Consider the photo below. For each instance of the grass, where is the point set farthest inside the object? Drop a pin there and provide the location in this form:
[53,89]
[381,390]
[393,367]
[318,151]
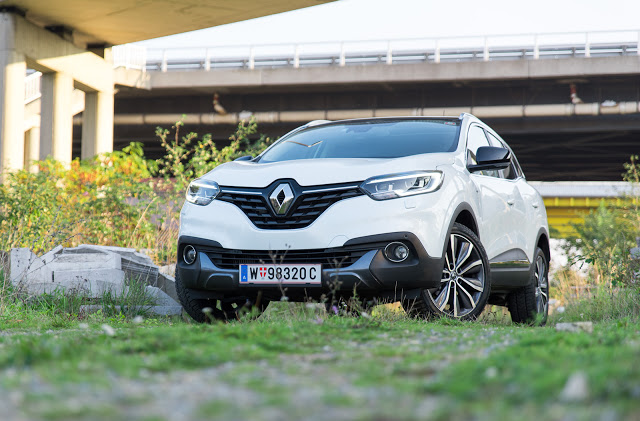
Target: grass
[297,362]
[316,367]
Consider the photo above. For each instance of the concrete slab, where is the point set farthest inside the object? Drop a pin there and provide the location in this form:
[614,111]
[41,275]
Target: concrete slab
[92,270]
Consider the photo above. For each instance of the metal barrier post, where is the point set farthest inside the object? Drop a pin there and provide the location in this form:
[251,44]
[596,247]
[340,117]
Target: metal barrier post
[207,61]
[485,55]
[436,57]
[252,58]
[343,59]
[296,57]
[587,46]
[389,53]
[164,61]
[536,48]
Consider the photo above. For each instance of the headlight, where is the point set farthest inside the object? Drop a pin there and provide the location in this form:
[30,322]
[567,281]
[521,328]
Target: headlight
[202,192]
[401,185]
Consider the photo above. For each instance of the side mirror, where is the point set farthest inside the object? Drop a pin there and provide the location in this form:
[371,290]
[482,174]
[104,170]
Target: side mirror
[244,158]
[491,158]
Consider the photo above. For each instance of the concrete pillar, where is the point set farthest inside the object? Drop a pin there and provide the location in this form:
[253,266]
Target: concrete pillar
[56,118]
[13,70]
[31,148]
[97,124]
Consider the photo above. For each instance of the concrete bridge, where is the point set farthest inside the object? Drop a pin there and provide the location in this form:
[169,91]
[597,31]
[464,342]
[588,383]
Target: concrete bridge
[69,42]
[570,110]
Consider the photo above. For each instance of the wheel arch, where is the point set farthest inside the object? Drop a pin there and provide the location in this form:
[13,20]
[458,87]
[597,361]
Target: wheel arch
[464,215]
[543,242]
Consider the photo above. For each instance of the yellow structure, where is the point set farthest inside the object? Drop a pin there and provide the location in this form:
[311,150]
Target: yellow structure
[568,202]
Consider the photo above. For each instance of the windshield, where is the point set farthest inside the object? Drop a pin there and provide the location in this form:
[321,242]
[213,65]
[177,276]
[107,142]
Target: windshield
[367,139]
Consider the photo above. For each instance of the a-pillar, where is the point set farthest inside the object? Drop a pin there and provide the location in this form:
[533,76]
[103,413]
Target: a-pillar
[56,118]
[13,70]
[97,124]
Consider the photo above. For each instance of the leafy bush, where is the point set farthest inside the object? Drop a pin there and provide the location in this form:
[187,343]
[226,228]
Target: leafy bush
[610,289]
[605,238]
[117,199]
[98,201]
[188,157]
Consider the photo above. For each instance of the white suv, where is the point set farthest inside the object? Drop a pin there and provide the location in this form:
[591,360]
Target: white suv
[434,212]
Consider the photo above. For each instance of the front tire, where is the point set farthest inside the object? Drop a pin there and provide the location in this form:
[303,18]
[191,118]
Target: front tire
[207,311]
[465,282]
[530,304]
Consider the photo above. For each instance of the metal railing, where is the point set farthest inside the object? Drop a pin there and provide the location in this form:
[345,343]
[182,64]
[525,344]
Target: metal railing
[435,50]
[32,87]
[130,56]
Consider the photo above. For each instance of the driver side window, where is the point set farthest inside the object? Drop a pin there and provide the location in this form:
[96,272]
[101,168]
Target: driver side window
[475,139]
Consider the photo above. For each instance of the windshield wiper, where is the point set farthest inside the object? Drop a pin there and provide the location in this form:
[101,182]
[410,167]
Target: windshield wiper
[302,144]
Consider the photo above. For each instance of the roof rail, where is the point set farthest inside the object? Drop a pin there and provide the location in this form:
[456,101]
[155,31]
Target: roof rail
[316,123]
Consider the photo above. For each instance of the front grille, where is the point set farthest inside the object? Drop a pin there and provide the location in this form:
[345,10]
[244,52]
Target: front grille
[306,208]
[335,258]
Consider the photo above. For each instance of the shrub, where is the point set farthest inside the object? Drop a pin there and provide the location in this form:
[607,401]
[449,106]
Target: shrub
[99,201]
[188,157]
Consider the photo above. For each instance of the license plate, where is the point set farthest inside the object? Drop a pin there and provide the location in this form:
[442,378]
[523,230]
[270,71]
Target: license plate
[305,274]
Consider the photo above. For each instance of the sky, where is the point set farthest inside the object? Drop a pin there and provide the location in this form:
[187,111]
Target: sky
[348,20]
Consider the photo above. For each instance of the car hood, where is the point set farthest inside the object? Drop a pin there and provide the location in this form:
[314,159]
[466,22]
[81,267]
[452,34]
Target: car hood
[313,172]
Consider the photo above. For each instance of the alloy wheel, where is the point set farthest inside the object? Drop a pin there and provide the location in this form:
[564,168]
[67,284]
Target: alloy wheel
[542,286]
[463,278]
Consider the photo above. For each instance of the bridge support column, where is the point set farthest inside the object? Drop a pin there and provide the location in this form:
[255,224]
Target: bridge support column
[97,124]
[56,118]
[13,70]
[31,148]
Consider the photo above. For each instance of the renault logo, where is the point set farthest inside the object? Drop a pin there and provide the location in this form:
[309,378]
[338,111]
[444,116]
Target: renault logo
[281,199]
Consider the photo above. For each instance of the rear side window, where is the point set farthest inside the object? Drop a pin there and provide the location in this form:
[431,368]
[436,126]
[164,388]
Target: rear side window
[367,139]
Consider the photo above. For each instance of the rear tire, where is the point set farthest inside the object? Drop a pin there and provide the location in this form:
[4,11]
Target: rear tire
[530,305]
[465,281]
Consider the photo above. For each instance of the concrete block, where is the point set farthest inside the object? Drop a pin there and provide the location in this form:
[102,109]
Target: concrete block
[157,310]
[168,285]
[20,262]
[92,282]
[574,327]
[159,297]
[93,271]
[168,269]
[136,266]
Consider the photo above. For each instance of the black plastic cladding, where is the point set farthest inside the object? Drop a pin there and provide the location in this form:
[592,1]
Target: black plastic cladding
[332,258]
[309,203]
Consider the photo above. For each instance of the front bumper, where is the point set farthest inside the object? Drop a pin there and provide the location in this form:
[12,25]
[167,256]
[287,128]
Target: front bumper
[359,264]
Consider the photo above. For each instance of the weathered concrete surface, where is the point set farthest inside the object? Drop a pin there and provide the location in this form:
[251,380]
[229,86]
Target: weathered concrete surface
[575,327]
[92,271]
[164,304]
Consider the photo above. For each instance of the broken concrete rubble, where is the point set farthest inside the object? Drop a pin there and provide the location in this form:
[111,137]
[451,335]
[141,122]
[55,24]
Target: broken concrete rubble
[91,270]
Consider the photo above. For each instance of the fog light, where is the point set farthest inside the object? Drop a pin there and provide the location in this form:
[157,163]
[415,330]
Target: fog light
[189,255]
[396,252]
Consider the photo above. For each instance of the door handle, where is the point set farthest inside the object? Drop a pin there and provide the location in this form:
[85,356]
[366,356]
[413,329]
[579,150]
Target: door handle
[510,202]
[535,205]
